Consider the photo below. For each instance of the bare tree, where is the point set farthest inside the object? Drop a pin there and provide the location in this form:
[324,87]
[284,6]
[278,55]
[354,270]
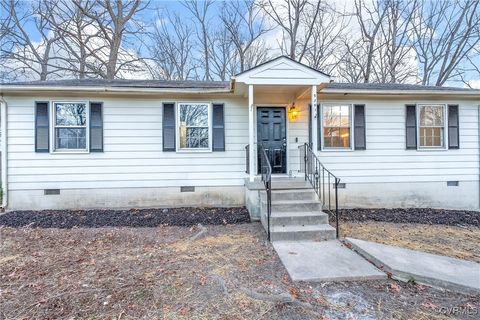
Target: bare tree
[245,24]
[351,60]
[20,54]
[445,33]
[116,20]
[327,30]
[171,48]
[78,39]
[290,15]
[370,19]
[395,59]
[199,10]
[222,55]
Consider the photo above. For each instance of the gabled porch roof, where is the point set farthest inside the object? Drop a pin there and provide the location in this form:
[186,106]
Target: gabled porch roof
[281,71]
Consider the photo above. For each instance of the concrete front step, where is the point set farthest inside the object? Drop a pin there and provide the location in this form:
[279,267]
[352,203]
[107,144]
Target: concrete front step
[296,218]
[290,184]
[317,232]
[294,205]
[294,194]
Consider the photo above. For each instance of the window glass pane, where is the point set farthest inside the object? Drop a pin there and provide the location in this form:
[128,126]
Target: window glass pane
[431,136]
[344,138]
[194,127]
[70,114]
[194,115]
[431,116]
[70,138]
[196,138]
[331,116]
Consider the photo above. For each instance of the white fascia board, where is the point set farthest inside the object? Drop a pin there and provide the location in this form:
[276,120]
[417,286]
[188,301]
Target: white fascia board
[283,82]
[14,88]
[400,92]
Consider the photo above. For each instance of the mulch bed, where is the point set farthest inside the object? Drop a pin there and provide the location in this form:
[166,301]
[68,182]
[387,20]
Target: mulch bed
[413,215]
[66,219]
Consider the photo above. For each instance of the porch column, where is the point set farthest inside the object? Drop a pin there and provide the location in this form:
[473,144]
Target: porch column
[314,119]
[251,130]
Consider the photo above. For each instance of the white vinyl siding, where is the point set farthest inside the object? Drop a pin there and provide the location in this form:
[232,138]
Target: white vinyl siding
[132,157]
[385,159]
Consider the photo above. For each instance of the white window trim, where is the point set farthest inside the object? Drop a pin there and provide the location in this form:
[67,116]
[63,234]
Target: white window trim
[177,128]
[352,128]
[445,127]
[53,126]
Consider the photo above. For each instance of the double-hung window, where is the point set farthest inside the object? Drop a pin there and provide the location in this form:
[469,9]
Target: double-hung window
[432,126]
[194,129]
[337,126]
[70,121]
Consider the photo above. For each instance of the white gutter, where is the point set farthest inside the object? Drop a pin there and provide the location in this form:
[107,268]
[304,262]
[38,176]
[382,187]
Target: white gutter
[401,92]
[478,124]
[4,149]
[17,88]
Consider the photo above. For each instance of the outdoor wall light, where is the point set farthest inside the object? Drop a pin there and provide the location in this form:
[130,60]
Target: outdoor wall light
[293,112]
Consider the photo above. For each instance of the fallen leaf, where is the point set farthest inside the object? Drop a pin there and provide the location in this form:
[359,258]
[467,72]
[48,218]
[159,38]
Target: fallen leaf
[395,287]
[429,305]
[294,292]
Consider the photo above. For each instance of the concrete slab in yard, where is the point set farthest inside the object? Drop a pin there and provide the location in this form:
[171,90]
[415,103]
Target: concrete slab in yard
[324,261]
[430,269]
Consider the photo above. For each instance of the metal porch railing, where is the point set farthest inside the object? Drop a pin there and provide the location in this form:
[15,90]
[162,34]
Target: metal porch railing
[266,174]
[322,180]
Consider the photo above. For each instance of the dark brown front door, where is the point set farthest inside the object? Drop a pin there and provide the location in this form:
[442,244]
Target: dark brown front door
[272,135]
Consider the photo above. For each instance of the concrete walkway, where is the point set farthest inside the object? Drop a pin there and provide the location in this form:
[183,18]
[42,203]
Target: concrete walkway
[434,270]
[324,261]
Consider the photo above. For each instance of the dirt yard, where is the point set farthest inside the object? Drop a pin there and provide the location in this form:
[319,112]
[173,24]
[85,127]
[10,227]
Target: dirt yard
[457,242]
[221,272]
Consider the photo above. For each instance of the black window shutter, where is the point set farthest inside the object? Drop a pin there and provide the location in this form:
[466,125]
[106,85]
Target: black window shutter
[218,134]
[42,127]
[411,127]
[359,126]
[453,127]
[168,125]
[96,127]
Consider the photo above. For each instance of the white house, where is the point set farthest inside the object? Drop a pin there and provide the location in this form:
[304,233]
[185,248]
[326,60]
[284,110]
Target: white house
[129,143]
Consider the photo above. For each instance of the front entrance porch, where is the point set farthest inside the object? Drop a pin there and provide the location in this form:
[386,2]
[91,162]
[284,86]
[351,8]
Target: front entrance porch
[282,112]
[296,212]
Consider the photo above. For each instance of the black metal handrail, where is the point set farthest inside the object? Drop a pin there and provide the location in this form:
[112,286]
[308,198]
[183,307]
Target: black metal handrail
[266,174]
[322,180]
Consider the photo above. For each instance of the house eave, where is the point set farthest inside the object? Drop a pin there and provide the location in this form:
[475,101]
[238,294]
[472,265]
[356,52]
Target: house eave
[400,92]
[106,89]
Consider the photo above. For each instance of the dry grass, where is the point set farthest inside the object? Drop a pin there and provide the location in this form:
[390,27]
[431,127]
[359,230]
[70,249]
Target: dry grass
[160,273]
[456,242]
